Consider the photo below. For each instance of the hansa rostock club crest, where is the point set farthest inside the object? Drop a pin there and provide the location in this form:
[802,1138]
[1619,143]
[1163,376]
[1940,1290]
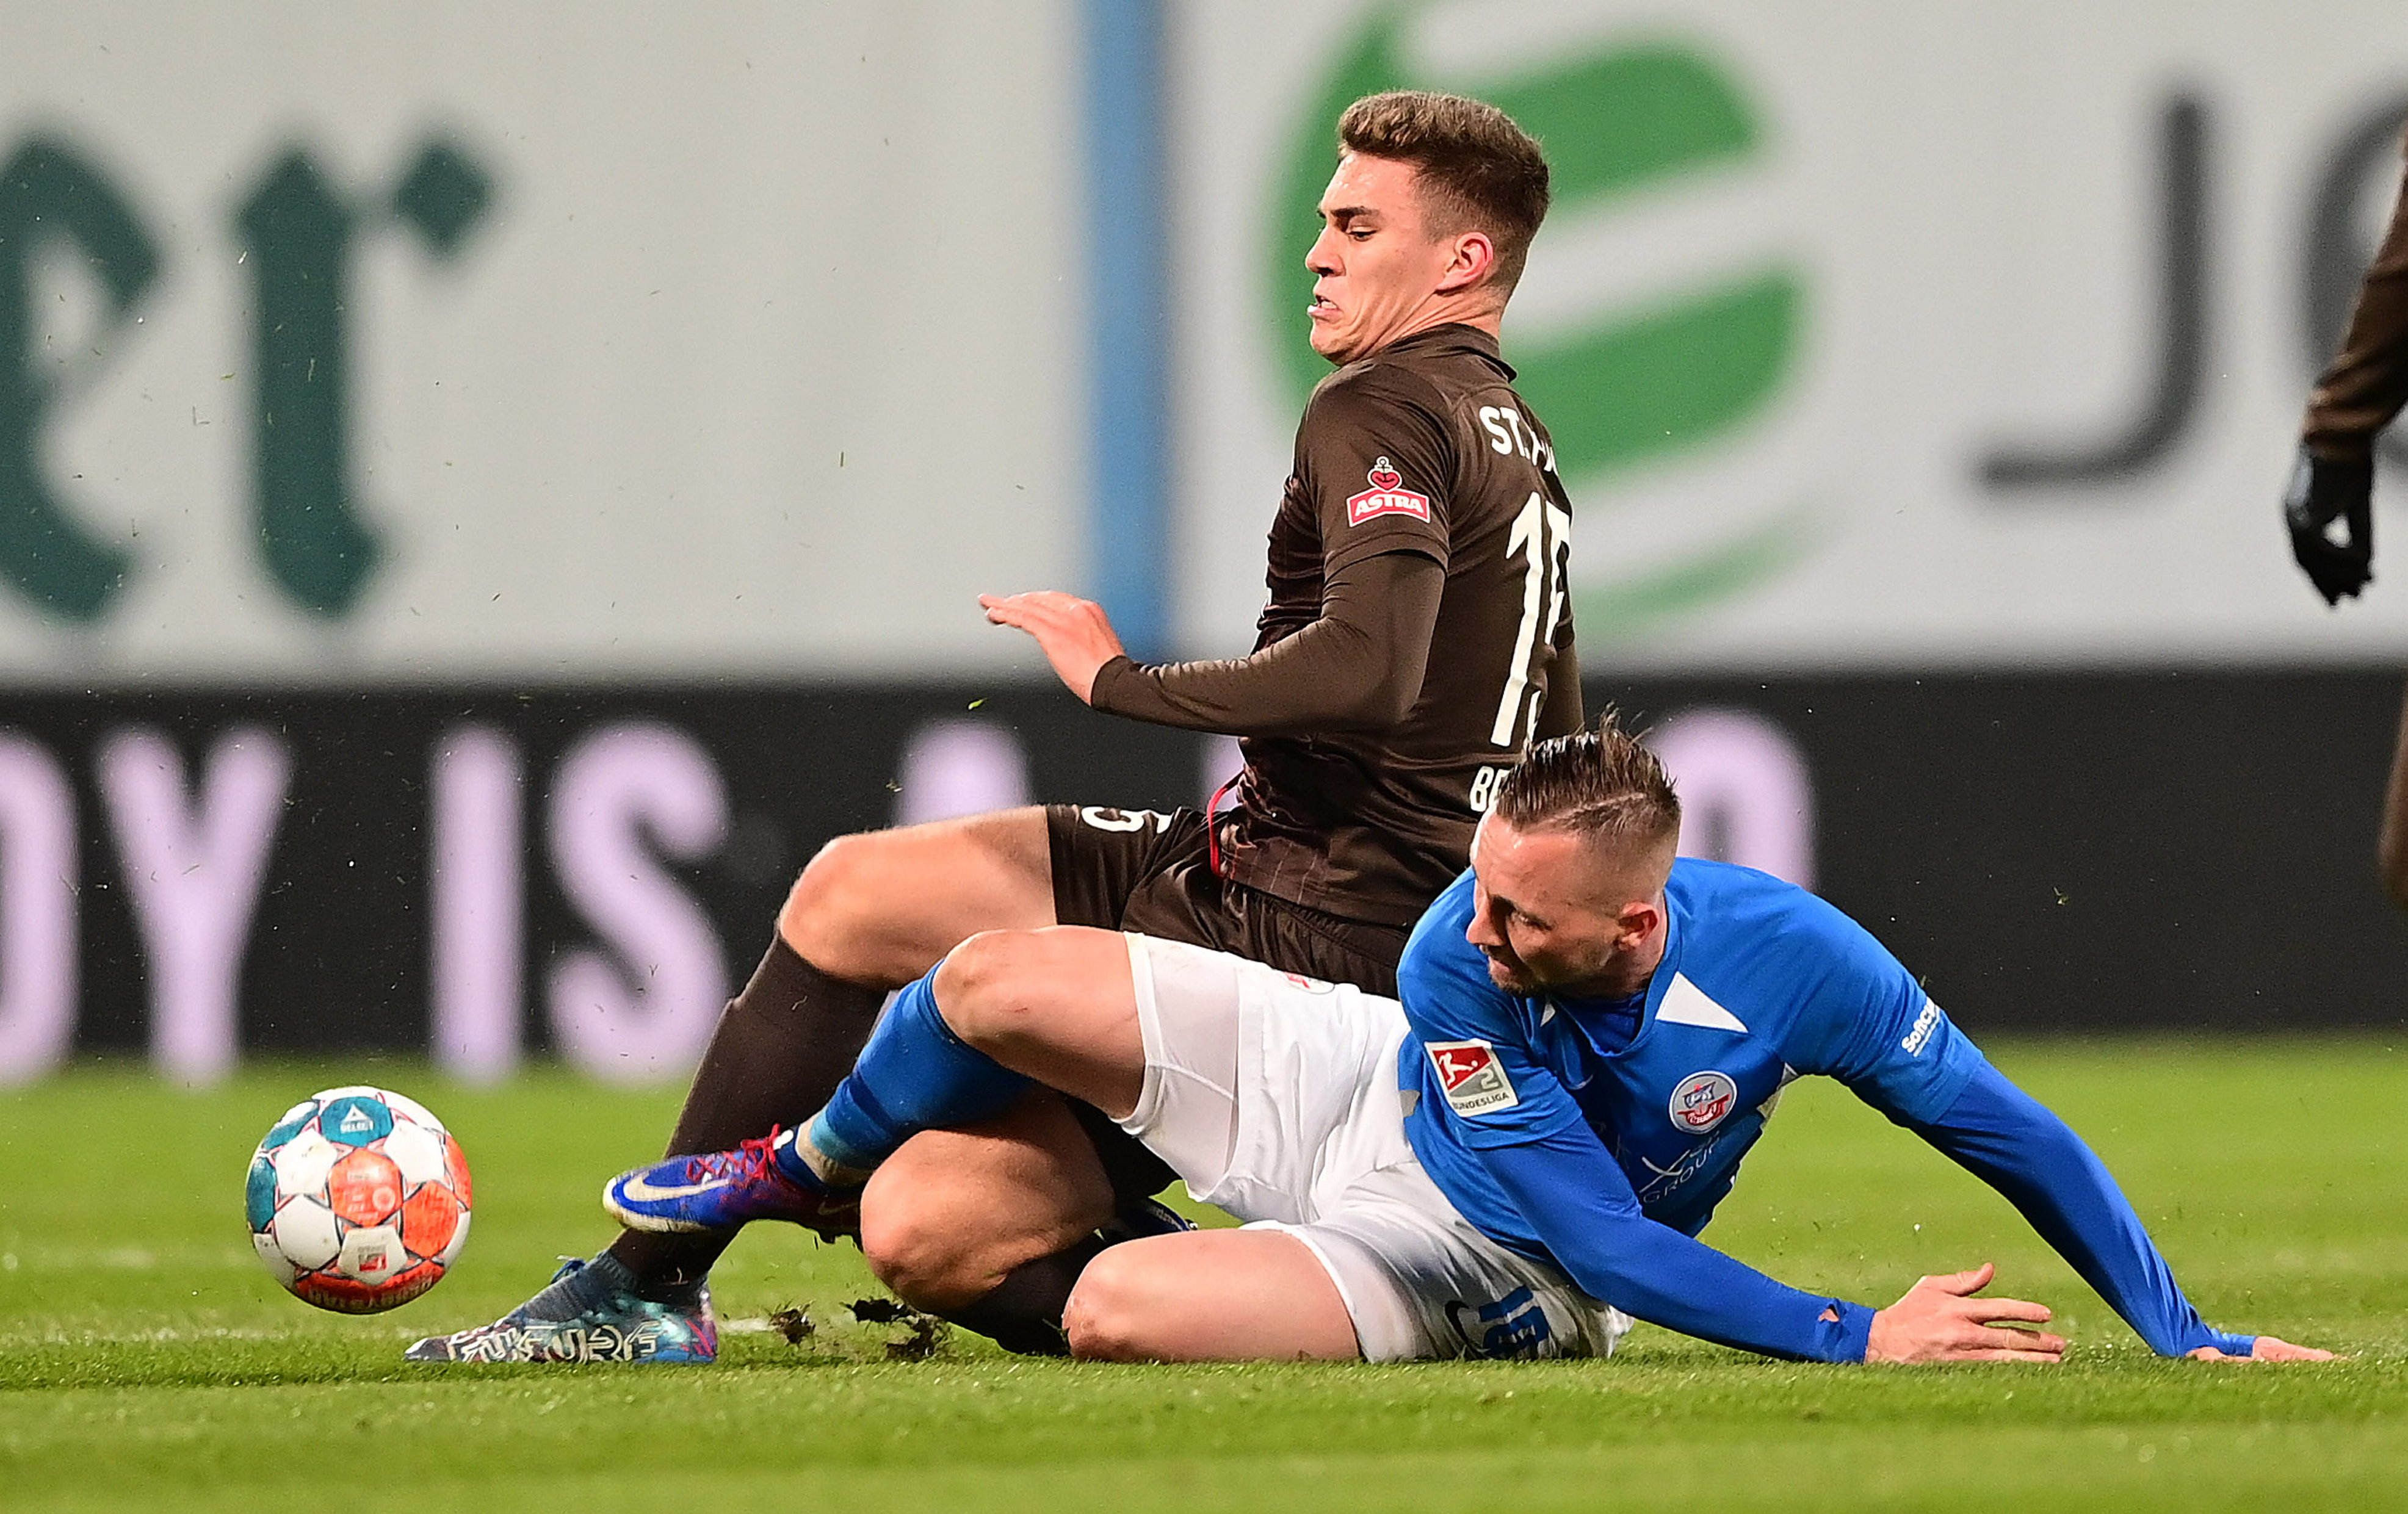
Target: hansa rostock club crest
[1703,1101]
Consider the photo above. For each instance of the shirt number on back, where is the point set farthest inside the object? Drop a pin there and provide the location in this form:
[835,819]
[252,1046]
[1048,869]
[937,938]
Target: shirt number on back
[1542,539]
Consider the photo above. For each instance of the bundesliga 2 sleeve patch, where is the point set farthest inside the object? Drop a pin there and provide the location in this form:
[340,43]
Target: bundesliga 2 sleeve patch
[1474,1082]
[1388,495]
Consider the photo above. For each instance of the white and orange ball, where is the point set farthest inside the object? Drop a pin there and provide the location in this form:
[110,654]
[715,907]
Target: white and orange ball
[358,1200]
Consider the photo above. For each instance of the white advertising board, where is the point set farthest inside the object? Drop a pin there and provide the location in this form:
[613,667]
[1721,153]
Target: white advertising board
[588,343]
[1873,334]
[549,340]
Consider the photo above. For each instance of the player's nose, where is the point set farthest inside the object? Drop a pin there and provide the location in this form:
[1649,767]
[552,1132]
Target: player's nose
[1320,259]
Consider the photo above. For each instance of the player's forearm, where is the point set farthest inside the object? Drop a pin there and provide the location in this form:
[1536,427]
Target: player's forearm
[2367,383]
[1657,1273]
[2013,1142]
[1358,668]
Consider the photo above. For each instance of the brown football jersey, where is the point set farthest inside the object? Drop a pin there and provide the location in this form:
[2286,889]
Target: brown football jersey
[1420,447]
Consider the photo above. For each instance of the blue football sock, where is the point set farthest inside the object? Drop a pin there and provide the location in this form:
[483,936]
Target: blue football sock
[915,1075]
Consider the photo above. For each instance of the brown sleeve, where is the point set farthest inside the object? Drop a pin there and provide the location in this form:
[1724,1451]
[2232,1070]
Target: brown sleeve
[1379,463]
[2366,385]
[1562,714]
[1356,668]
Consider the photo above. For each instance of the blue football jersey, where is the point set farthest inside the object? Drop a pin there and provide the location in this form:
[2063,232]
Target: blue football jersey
[1761,982]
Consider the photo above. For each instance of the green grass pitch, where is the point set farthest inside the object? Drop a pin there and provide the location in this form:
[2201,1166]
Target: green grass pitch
[146,1361]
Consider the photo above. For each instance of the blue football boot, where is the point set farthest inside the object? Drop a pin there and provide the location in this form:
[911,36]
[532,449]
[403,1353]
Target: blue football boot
[590,1313]
[724,1189]
[1146,1217]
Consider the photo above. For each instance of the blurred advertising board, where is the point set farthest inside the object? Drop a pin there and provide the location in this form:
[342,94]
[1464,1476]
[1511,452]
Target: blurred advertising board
[477,878]
[354,345]
[1872,334]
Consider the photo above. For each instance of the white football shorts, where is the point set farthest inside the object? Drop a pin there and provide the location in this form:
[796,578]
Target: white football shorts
[1274,1096]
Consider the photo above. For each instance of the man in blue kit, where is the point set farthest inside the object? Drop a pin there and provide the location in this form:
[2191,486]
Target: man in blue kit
[1516,1161]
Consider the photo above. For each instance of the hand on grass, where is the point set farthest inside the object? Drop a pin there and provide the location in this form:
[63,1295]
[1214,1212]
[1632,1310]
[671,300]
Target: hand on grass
[1074,633]
[2268,1348]
[1941,1321]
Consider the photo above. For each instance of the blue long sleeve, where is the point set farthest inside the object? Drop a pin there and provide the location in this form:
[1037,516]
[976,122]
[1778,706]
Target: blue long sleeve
[2011,1141]
[1568,1188]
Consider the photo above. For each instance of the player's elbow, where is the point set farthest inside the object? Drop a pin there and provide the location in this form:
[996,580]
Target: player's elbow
[1365,681]
[1378,703]
[1391,701]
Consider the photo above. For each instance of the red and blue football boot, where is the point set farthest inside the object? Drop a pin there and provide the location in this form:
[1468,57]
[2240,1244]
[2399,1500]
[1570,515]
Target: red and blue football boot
[760,1180]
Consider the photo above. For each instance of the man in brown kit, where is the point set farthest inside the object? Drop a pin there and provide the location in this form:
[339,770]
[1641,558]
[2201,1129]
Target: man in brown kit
[2360,393]
[2356,396]
[1418,636]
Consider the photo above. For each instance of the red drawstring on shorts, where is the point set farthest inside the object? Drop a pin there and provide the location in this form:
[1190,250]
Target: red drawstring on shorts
[1213,831]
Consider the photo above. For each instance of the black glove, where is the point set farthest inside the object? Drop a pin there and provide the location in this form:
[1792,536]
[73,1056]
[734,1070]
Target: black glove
[2322,491]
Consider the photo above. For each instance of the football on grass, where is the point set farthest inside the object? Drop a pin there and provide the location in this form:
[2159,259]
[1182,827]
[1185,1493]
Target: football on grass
[358,1200]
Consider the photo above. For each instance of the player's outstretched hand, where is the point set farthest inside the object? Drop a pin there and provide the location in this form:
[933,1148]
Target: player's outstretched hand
[1076,637]
[1941,1321]
[2269,1348]
[2322,491]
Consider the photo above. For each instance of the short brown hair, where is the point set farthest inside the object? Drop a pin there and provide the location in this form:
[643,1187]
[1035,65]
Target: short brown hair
[1476,169]
[1600,785]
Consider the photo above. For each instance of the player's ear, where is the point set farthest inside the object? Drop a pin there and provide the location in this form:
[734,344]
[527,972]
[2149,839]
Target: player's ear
[1638,921]
[1473,257]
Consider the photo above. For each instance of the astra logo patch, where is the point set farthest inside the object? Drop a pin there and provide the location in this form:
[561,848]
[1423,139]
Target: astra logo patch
[1388,495]
[1703,1101]
[1470,1074]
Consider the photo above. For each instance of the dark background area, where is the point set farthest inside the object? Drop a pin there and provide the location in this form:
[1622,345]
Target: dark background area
[2106,852]
[2091,852]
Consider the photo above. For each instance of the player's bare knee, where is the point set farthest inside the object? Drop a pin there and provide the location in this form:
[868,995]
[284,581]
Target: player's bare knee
[1110,1316]
[916,1255]
[828,914]
[982,987]
[918,1241]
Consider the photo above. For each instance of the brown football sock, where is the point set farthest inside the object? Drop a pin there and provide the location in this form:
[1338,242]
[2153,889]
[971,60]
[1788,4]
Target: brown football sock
[1022,1314]
[781,1048]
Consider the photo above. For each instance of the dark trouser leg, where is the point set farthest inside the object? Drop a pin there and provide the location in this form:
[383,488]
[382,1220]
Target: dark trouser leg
[1024,1312]
[781,1048]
